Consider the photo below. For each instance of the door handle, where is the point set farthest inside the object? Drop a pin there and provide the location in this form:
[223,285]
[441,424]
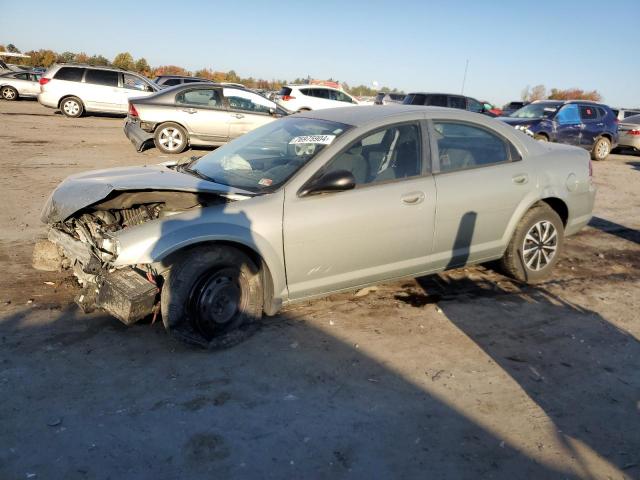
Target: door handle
[189,110]
[412,198]
[520,179]
[238,115]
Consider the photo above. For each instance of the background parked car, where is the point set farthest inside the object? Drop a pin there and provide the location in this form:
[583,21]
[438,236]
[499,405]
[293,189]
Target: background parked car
[582,123]
[196,114]
[490,109]
[76,89]
[629,133]
[164,81]
[622,113]
[386,98]
[445,100]
[297,98]
[511,107]
[19,84]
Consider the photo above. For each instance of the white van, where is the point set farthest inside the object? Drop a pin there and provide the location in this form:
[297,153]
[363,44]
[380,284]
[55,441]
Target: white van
[76,89]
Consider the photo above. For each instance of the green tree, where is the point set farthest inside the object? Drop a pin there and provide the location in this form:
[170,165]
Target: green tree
[124,60]
[12,48]
[66,57]
[98,60]
[142,66]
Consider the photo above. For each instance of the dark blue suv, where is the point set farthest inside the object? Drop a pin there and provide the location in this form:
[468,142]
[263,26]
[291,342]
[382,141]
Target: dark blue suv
[586,124]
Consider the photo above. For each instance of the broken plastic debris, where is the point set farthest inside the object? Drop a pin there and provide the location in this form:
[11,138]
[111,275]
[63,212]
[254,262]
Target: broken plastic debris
[49,283]
[365,291]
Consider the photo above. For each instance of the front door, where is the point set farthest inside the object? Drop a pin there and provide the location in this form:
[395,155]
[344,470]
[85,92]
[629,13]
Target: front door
[568,125]
[381,229]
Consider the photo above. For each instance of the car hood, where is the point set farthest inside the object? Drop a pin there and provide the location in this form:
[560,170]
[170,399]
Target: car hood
[520,121]
[84,189]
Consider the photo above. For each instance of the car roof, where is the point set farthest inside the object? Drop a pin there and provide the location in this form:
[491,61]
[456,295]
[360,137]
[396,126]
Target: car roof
[436,93]
[95,67]
[310,85]
[364,114]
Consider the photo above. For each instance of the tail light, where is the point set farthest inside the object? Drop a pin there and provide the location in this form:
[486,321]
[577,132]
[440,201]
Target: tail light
[288,97]
[635,131]
[44,81]
[132,111]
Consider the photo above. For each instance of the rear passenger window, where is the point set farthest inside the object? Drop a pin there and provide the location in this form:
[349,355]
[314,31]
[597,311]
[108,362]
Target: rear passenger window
[462,146]
[414,99]
[70,74]
[172,81]
[102,77]
[457,102]
[436,100]
[206,97]
[388,154]
[588,112]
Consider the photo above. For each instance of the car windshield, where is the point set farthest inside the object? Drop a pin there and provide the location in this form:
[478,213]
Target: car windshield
[536,110]
[263,159]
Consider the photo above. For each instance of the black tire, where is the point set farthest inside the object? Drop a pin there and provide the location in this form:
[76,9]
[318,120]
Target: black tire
[541,137]
[170,138]
[9,93]
[521,259]
[72,107]
[212,297]
[601,149]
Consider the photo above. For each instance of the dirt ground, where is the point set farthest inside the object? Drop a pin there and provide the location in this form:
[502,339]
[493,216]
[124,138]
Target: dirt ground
[460,375]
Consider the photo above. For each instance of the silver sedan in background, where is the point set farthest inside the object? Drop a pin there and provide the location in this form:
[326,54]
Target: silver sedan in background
[14,85]
[202,114]
[336,198]
[629,133]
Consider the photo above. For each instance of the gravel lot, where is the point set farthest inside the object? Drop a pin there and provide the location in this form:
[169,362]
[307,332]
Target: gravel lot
[460,375]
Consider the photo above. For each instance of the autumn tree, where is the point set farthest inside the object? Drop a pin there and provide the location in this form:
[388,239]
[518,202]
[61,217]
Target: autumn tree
[574,94]
[41,58]
[12,48]
[170,70]
[81,57]
[124,60]
[539,92]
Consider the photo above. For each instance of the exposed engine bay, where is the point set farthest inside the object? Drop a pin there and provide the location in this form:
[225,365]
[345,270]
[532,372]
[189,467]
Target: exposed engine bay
[87,243]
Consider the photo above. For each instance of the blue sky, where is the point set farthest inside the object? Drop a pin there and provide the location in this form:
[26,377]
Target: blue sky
[411,45]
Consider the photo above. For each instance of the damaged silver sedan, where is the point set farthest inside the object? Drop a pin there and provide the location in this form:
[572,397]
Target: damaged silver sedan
[309,205]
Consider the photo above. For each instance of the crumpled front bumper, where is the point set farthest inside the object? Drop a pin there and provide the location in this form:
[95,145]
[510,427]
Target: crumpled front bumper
[136,135]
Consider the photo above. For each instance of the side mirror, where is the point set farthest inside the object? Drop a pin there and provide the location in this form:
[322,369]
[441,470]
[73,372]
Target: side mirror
[272,111]
[336,181]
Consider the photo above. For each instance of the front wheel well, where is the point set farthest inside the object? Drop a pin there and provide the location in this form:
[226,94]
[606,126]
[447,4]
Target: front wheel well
[265,272]
[559,207]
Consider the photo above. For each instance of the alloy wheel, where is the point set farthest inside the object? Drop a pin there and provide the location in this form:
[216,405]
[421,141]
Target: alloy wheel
[8,94]
[171,138]
[602,149]
[540,245]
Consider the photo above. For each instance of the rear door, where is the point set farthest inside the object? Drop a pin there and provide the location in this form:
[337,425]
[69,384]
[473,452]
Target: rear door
[203,112]
[480,181]
[247,110]
[592,125]
[455,101]
[567,124]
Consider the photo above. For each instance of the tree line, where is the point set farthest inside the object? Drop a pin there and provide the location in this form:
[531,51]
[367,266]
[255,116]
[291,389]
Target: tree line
[45,58]
[539,92]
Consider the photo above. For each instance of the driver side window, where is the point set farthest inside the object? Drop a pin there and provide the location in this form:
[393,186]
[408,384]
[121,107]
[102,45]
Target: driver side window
[390,154]
[568,115]
[247,101]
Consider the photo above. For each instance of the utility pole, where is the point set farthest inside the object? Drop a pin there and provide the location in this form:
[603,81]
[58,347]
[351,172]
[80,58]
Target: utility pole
[464,78]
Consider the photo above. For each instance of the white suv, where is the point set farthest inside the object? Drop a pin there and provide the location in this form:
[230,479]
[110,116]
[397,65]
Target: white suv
[298,98]
[76,89]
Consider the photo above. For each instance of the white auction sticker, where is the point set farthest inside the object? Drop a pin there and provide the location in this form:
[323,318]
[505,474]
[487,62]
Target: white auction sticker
[318,139]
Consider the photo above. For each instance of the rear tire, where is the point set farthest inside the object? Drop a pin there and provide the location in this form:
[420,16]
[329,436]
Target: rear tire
[170,138]
[212,296]
[601,149]
[9,93]
[72,107]
[535,246]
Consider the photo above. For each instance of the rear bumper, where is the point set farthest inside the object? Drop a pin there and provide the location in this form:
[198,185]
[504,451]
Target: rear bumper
[626,142]
[47,100]
[138,137]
